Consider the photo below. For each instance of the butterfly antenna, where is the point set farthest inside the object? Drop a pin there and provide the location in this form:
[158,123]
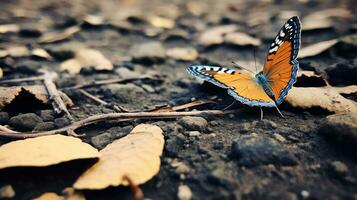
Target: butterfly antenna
[255,61]
[242,67]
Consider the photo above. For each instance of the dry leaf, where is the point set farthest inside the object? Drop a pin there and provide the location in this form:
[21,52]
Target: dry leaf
[8,94]
[49,196]
[18,51]
[161,22]
[68,194]
[94,20]
[136,156]
[58,36]
[327,98]
[316,49]
[44,151]
[86,58]
[1,73]
[185,54]
[215,35]
[41,53]
[241,39]
[5,28]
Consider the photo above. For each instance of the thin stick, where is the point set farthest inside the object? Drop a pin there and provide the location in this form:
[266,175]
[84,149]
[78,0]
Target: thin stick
[57,102]
[261,113]
[16,80]
[108,81]
[5,129]
[114,116]
[101,102]
[230,105]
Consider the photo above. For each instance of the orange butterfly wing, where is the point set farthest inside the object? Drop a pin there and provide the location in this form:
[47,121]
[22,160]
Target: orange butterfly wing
[281,65]
[240,84]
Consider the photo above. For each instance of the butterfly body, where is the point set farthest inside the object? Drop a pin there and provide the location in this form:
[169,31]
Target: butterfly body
[269,87]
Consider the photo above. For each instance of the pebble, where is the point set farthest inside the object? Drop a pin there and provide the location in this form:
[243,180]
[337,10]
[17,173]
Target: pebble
[338,168]
[245,127]
[25,122]
[101,140]
[182,168]
[194,123]
[148,52]
[124,72]
[194,133]
[47,115]
[218,145]
[173,146]
[184,193]
[148,88]
[125,93]
[4,117]
[305,194]
[279,137]
[62,122]
[254,150]
[45,126]
[269,124]
[214,123]
[7,191]
[341,129]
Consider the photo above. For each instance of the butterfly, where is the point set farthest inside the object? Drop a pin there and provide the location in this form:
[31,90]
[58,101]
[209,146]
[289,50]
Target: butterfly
[269,87]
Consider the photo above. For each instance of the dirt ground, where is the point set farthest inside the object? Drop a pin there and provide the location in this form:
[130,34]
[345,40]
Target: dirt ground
[236,156]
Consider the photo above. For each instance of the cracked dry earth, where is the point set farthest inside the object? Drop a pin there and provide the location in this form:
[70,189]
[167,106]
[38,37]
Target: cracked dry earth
[307,155]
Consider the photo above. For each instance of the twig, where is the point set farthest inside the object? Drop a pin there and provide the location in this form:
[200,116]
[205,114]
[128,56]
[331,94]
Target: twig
[108,81]
[3,128]
[135,189]
[57,102]
[101,102]
[114,116]
[16,80]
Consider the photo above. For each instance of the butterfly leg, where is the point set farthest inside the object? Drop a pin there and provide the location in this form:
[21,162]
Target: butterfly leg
[261,113]
[230,105]
[281,114]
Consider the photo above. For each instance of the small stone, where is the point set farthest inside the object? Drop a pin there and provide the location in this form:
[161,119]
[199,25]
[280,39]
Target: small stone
[7,192]
[184,193]
[279,138]
[47,115]
[340,128]
[100,141]
[218,145]
[124,72]
[45,126]
[245,127]
[62,122]
[25,122]
[125,93]
[305,194]
[214,123]
[194,133]
[173,146]
[231,116]
[338,168]
[4,117]
[269,124]
[148,88]
[254,150]
[194,123]
[150,52]
[182,168]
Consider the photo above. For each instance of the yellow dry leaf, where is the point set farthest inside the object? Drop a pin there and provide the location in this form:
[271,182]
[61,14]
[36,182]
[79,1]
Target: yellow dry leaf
[215,35]
[41,53]
[161,22]
[44,151]
[49,196]
[68,194]
[8,94]
[317,48]
[185,54]
[327,98]
[136,156]
[1,73]
[5,28]
[241,39]
[86,58]
[58,36]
